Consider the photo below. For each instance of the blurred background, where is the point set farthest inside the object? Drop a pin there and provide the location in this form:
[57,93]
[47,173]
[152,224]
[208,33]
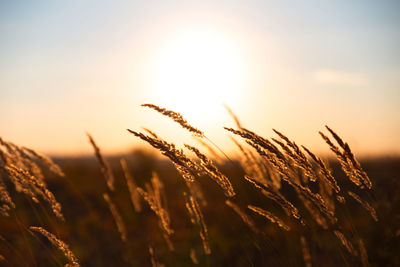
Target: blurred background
[67,67]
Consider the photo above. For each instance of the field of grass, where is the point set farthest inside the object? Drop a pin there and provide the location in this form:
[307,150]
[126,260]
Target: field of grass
[275,203]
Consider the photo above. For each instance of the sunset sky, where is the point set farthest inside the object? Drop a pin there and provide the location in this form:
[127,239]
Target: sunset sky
[70,67]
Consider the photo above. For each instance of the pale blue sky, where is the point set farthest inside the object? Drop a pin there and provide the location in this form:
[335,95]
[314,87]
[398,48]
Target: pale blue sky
[67,67]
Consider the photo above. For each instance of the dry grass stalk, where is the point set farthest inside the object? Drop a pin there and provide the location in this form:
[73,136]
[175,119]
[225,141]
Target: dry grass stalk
[314,198]
[213,171]
[363,253]
[34,187]
[298,157]
[154,196]
[22,159]
[167,239]
[189,208]
[324,170]
[153,259]
[20,182]
[250,164]
[283,167]
[150,132]
[343,161]
[279,164]
[341,199]
[185,172]
[211,150]
[5,199]
[159,191]
[256,140]
[278,198]
[104,167]
[351,159]
[266,149]
[197,192]
[274,176]
[46,161]
[346,243]
[159,202]
[18,166]
[186,167]
[315,213]
[130,182]
[365,204]
[234,117]
[117,217]
[270,217]
[196,217]
[357,166]
[349,164]
[61,245]
[193,256]
[326,192]
[306,252]
[246,218]
[177,117]
[317,201]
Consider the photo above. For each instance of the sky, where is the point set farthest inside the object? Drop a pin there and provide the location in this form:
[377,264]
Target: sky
[71,67]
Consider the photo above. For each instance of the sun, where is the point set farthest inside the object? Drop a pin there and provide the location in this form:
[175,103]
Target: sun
[196,71]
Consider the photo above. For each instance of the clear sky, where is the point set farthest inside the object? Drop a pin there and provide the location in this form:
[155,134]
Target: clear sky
[67,67]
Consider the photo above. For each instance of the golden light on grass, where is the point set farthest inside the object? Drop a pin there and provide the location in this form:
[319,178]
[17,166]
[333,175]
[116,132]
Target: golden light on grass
[284,162]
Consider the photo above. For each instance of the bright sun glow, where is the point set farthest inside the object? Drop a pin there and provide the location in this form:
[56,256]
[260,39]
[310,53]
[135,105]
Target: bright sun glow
[197,71]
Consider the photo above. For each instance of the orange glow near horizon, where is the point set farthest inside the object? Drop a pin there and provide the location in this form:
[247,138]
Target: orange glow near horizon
[276,65]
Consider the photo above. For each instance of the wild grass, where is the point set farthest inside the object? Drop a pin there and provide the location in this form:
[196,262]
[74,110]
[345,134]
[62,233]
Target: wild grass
[58,244]
[19,166]
[295,201]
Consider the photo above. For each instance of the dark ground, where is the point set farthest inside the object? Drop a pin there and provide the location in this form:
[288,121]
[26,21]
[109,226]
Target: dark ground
[90,230]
